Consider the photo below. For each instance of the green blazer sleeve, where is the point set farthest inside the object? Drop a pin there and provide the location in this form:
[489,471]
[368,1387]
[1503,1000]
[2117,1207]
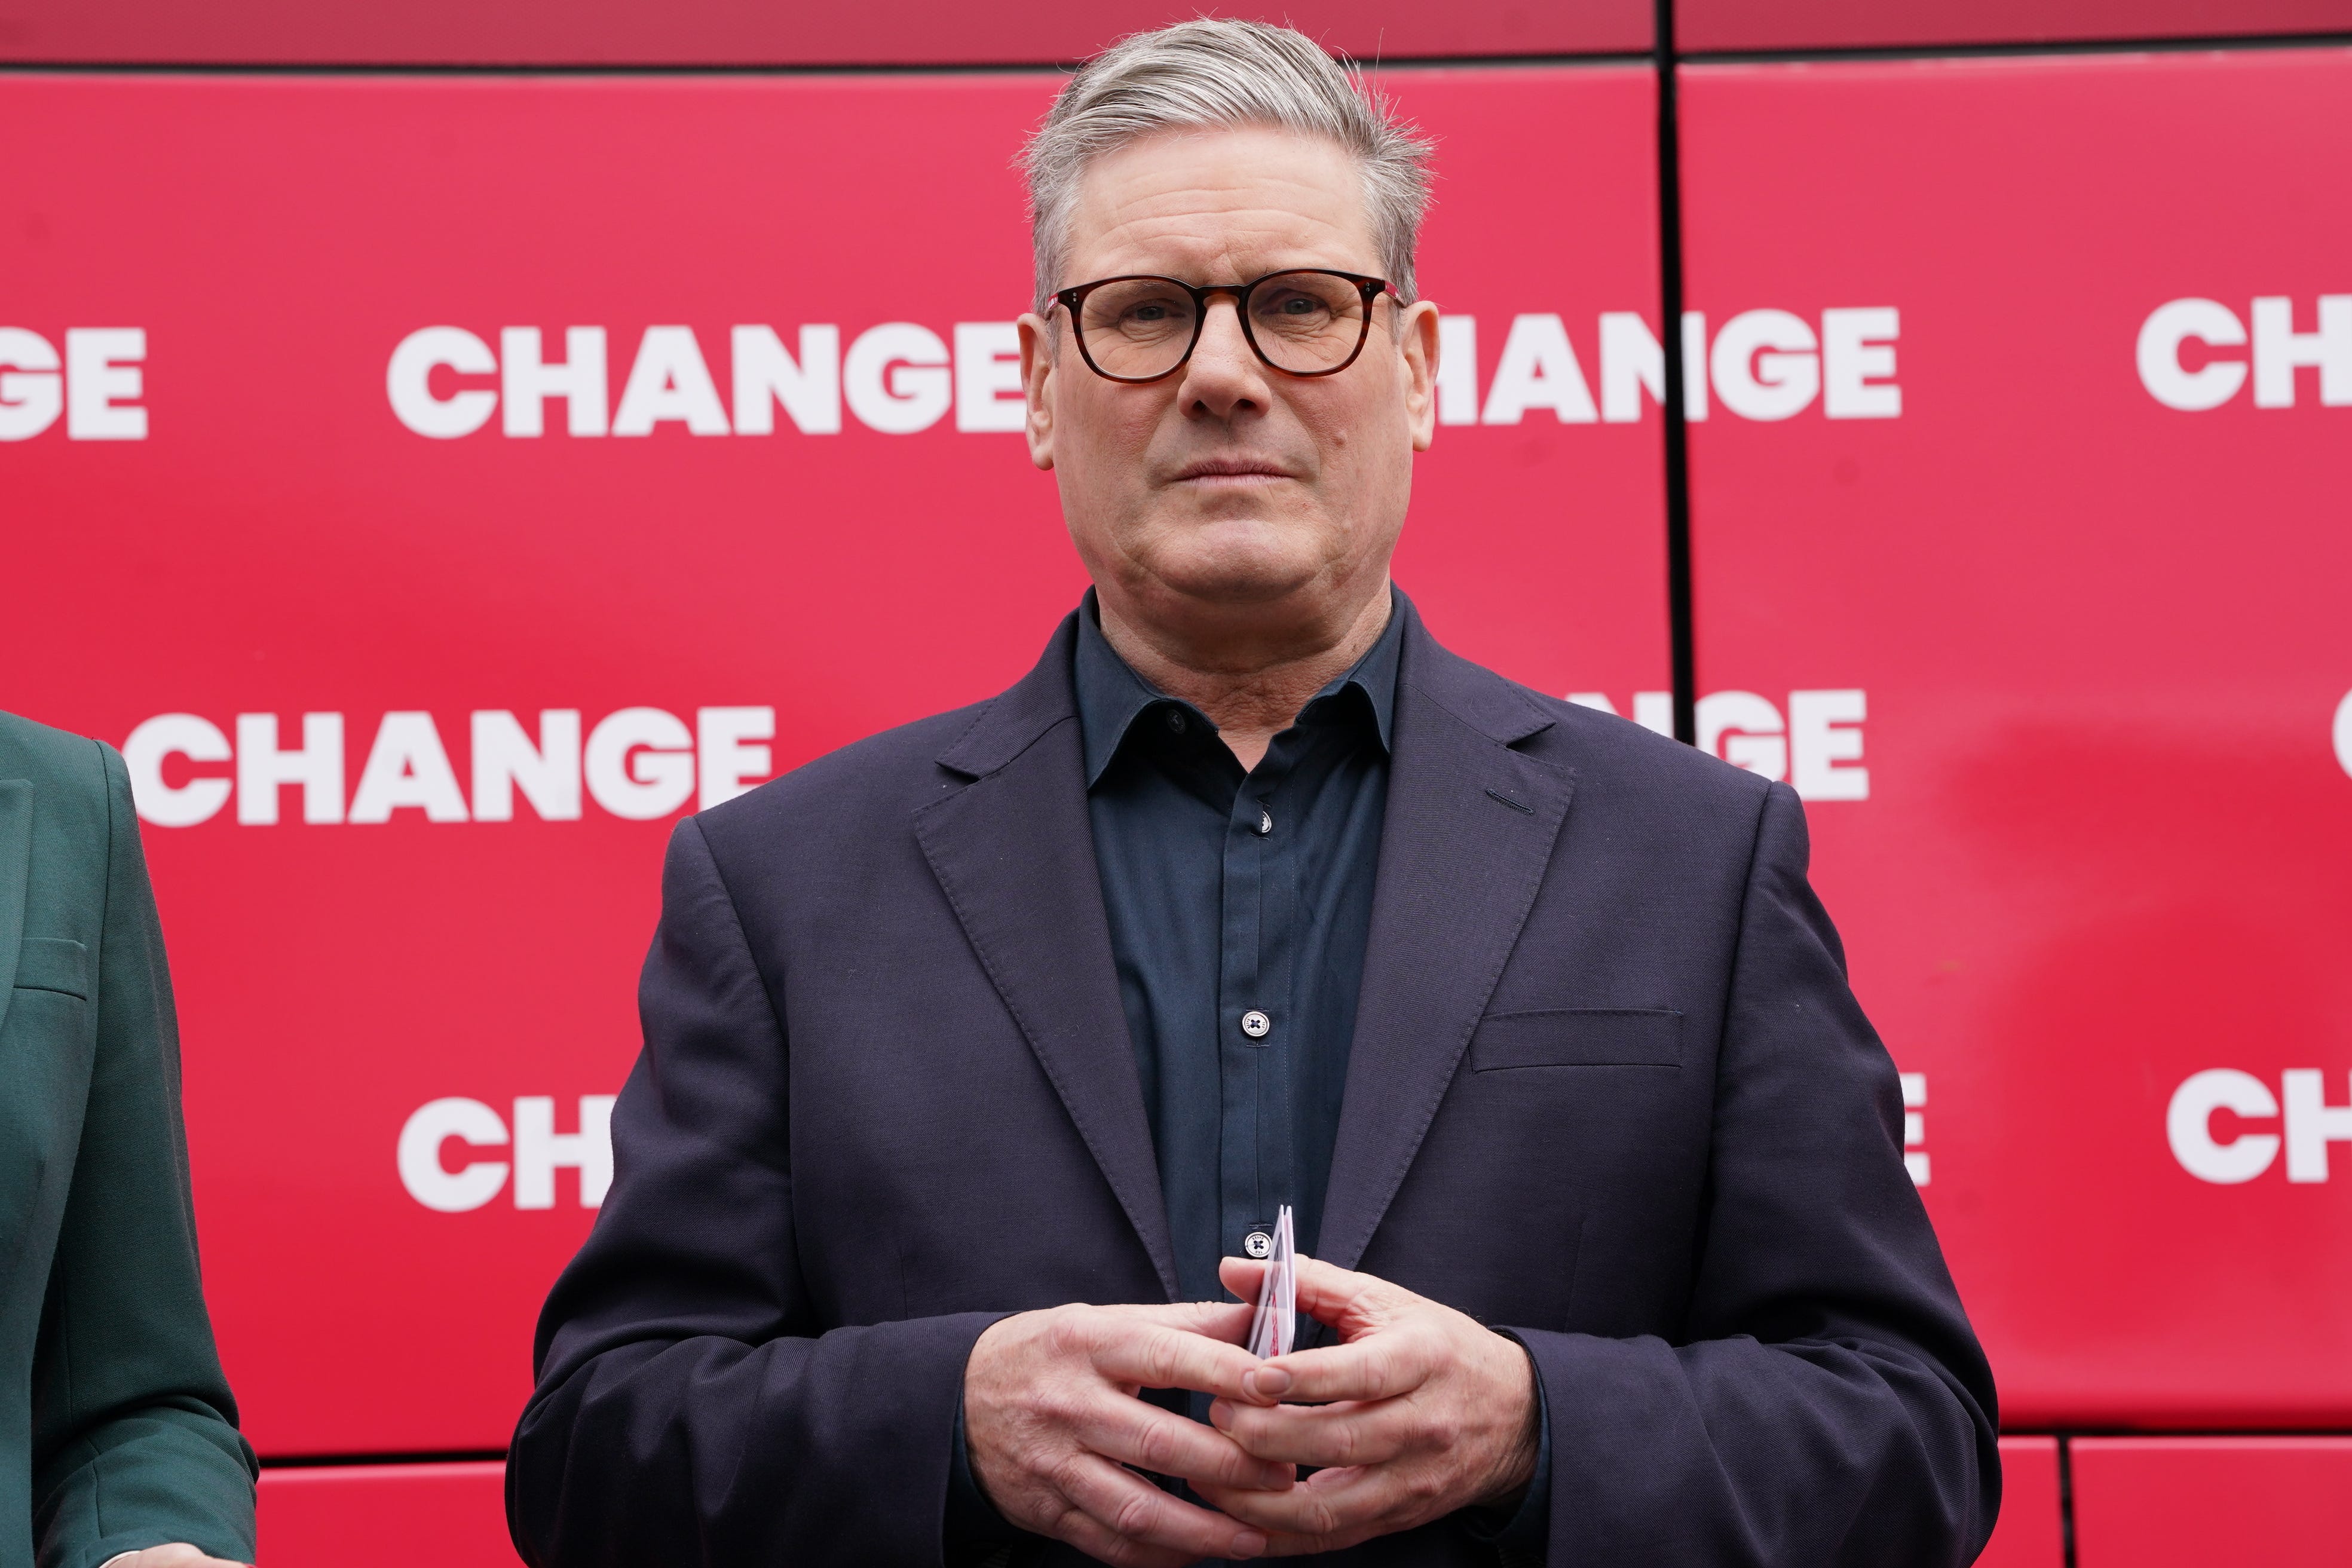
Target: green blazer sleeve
[133,1430]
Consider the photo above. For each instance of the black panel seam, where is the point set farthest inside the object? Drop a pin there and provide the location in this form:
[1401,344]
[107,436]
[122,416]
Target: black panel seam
[1682,630]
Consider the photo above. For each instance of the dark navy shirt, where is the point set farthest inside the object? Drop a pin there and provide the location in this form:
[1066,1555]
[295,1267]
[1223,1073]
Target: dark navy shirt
[1239,905]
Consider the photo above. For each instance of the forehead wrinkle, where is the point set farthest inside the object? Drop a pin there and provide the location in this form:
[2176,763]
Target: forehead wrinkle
[1169,204]
[1243,245]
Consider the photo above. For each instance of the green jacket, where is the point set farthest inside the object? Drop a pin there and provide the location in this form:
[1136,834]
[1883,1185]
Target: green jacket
[117,1428]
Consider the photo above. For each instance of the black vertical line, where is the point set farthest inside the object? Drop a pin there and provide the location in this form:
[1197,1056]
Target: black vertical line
[2066,1496]
[1680,631]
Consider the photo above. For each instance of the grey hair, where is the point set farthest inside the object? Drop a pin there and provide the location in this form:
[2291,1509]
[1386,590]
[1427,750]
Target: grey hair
[1218,72]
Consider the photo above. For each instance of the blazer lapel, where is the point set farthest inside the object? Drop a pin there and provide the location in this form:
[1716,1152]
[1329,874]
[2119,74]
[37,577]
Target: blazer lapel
[1014,852]
[15,865]
[1470,829]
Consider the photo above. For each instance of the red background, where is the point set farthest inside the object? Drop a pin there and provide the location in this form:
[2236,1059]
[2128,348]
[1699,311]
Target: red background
[1744,25]
[2103,641]
[2101,638]
[751,32]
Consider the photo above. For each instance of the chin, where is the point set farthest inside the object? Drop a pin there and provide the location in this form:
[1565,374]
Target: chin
[1237,576]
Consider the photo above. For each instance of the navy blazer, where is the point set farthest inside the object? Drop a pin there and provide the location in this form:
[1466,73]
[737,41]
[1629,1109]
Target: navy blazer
[1609,1089]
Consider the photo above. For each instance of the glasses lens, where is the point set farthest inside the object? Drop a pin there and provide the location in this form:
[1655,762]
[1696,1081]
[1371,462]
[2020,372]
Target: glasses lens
[1137,327]
[1307,321]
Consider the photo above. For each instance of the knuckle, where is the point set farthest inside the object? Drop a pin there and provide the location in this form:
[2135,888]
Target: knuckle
[1136,1514]
[1161,1355]
[1053,1406]
[1155,1448]
[1066,1473]
[1057,1516]
[1066,1333]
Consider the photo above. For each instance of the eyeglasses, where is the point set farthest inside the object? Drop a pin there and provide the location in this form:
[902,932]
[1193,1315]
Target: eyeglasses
[1307,321]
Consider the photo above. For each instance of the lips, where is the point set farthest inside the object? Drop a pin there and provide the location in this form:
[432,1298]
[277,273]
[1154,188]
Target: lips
[1231,467]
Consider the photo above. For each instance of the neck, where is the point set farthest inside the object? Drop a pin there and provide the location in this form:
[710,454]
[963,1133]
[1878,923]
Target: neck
[1250,677]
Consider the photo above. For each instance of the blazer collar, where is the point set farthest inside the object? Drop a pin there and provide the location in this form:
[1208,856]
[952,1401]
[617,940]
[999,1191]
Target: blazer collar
[1486,702]
[1013,720]
[15,865]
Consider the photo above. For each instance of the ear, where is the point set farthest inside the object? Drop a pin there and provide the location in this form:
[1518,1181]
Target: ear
[1417,343]
[1039,344]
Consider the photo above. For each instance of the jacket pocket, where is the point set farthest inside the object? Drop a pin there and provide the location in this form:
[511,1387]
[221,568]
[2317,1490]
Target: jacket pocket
[1579,1037]
[53,964]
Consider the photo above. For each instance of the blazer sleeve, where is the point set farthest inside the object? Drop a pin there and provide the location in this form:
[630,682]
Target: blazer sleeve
[135,1431]
[691,1408]
[1827,1402]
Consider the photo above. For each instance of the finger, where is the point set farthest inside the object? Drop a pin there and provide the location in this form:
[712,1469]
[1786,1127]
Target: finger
[1325,1436]
[1128,1509]
[1378,1366]
[1153,1439]
[1100,1543]
[1350,1302]
[1329,1510]
[1131,1349]
[1226,1321]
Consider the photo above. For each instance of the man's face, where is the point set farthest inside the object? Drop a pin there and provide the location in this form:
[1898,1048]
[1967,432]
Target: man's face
[1230,488]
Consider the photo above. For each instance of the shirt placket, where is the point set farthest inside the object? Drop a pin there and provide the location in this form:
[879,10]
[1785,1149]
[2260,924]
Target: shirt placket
[1258,1033]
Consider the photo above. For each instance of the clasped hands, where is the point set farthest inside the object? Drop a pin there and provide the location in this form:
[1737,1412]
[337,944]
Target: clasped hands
[1420,1410]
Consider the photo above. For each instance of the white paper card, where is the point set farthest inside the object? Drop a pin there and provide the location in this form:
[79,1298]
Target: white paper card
[1275,1328]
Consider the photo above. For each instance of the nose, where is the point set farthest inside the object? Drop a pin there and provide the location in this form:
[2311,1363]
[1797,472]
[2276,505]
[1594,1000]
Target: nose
[1224,378]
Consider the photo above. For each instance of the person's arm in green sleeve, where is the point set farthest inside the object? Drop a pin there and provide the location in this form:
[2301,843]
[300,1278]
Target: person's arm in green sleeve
[134,1430]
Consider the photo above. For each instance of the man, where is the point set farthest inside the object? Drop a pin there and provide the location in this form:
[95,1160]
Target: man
[121,1435]
[981,1055]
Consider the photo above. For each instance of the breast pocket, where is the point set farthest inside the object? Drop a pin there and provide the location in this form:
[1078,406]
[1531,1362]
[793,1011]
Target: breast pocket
[1579,1037]
[53,964]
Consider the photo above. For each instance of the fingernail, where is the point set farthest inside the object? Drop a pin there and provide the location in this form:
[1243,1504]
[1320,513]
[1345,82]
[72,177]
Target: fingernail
[1271,1382]
[1248,1543]
[1221,1415]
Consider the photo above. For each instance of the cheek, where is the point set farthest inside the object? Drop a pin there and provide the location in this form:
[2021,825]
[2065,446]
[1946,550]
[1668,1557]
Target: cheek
[1108,433]
[1354,426]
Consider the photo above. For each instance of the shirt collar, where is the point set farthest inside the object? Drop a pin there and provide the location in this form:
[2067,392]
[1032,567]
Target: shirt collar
[1111,696]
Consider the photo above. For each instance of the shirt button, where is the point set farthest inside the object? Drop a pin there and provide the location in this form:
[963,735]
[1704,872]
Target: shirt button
[1257,1244]
[1256,1025]
[1264,822]
[1175,722]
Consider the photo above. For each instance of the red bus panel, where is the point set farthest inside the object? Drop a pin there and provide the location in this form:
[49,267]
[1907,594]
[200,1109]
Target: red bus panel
[1745,25]
[2187,1502]
[448,482]
[385,1516]
[2031,1531]
[743,33]
[2018,524]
